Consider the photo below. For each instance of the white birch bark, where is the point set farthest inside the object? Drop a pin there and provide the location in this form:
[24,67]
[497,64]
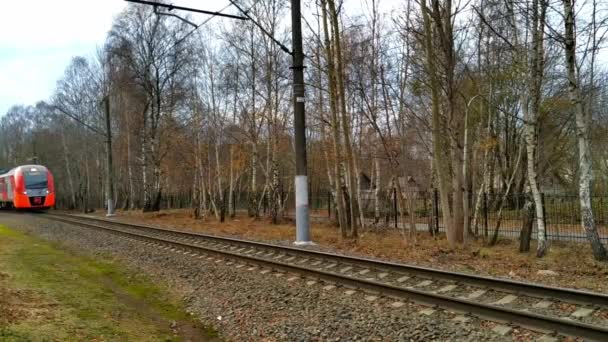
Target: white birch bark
[378,183]
[68,170]
[130,168]
[582,135]
[530,137]
[231,185]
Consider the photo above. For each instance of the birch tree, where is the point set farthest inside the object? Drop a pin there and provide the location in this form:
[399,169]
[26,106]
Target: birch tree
[583,119]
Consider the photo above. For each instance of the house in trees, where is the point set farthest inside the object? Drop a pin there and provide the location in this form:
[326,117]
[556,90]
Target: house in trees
[365,182]
[556,184]
[409,187]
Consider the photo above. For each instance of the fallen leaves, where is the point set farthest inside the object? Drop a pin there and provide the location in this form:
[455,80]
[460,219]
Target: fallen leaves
[502,260]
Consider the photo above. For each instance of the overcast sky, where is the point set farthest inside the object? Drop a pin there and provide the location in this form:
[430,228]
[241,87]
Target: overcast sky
[38,39]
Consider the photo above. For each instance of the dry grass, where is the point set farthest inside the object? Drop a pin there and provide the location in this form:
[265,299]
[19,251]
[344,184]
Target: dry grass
[16,305]
[572,261]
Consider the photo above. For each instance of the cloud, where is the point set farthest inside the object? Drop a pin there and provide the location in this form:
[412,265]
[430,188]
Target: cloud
[39,39]
[44,23]
[31,78]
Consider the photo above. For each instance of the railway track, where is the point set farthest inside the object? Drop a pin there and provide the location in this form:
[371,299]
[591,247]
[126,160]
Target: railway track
[551,310]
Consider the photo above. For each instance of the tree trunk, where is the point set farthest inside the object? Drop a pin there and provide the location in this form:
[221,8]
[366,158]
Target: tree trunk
[202,189]
[68,170]
[253,208]
[378,182]
[231,212]
[486,170]
[582,135]
[131,199]
[504,199]
[358,194]
[530,100]
[336,141]
[527,224]
[530,136]
[440,146]
[457,231]
[220,190]
[253,191]
[350,157]
[196,208]
[144,169]
[87,194]
[210,185]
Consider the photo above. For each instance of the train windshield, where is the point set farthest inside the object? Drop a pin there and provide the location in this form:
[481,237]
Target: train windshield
[35,180]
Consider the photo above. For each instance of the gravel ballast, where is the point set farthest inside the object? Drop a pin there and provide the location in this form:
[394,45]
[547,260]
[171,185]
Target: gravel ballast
[254,305]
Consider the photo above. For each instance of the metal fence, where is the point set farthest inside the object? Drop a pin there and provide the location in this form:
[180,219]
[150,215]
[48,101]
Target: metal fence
[423,209]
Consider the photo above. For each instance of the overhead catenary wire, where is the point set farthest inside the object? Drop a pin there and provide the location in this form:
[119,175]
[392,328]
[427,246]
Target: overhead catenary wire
[196,27]
[246,14]
[189,9]
[73,117]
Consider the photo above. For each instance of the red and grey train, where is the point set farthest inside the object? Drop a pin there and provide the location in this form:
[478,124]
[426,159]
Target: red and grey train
[27,187]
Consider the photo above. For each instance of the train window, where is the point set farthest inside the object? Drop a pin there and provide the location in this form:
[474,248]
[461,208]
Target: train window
[35,180]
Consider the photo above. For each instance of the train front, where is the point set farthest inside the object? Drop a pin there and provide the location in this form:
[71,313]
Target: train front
[34,188]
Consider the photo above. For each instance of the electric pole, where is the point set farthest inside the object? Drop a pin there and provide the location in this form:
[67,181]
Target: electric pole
[109,173]
[301,179]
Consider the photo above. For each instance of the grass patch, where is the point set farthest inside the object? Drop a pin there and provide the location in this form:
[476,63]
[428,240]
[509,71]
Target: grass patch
[47,293]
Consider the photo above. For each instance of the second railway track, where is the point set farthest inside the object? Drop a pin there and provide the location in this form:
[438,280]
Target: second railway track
[532,306]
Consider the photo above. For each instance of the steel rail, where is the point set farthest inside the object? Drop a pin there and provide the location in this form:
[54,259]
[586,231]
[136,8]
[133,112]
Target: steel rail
[506,285]
[487,311]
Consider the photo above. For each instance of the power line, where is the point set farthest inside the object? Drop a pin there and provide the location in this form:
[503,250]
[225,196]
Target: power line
[283,47]
[73,117]
[172,7]
[196,27]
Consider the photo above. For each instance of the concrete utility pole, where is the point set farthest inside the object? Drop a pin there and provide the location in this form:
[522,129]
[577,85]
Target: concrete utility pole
[109,173]
[301,179]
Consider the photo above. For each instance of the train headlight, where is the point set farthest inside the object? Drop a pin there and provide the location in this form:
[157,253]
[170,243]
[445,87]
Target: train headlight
[25,192]
[47,191]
